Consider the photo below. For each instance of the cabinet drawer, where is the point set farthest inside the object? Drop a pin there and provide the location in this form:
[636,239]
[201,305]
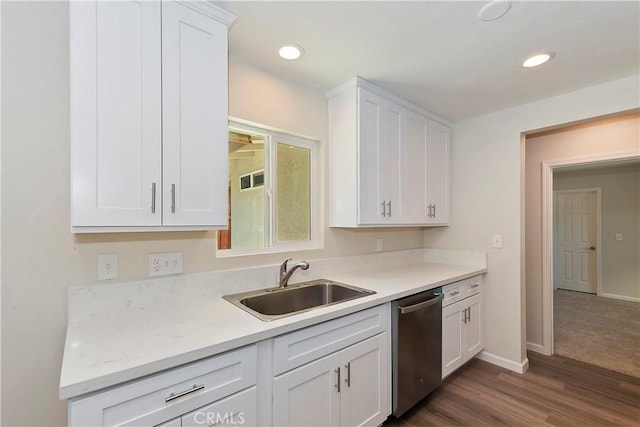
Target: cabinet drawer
[160,397]
[472,286]
[462,289]
[239,409]
[452,293]
[303,346]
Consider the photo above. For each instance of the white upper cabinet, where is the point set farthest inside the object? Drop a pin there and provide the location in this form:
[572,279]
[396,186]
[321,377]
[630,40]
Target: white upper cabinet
[148,115]
[388,162]
[426,190]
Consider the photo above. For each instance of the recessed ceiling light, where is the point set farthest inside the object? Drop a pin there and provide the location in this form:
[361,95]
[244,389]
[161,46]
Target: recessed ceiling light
[494,10]
[538,59]
[290,51]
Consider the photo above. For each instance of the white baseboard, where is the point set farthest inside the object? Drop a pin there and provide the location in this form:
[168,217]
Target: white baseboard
[622,297]
[537,348]
[519,367]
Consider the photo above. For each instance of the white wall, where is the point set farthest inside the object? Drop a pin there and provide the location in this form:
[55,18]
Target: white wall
[487,197]
[605,136]
[41,258]
[620,187]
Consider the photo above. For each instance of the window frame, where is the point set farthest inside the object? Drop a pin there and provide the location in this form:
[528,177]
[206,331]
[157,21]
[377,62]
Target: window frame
[273,136]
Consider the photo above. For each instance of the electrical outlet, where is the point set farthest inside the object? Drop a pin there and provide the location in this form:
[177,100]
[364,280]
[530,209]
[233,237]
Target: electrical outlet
[379,245]
[107,266]
[496,241]
[163,264]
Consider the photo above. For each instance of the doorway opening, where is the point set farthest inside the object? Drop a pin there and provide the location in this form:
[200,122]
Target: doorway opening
[549,272]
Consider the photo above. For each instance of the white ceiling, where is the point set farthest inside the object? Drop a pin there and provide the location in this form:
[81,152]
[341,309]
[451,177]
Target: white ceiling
[440,55]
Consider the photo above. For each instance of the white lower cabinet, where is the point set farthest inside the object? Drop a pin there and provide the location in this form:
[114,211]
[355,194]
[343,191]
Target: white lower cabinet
[348,388]
[329,374]
[462,323]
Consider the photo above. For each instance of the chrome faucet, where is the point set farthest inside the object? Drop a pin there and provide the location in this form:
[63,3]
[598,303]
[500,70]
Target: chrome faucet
[286,274]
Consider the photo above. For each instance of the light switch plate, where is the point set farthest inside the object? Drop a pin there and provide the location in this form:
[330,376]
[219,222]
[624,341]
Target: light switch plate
[107,266]
[619,237]
[496,241]
[379,245]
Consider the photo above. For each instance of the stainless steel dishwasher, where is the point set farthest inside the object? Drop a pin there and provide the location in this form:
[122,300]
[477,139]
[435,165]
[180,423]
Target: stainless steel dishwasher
[417,348]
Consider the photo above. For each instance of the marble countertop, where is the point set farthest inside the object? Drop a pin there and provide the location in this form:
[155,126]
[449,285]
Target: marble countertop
[112,348]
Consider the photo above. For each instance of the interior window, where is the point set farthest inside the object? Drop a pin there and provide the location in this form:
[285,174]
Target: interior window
[273,197]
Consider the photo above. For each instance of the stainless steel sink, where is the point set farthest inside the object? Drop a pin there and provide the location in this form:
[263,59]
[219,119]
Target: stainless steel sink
[275,303]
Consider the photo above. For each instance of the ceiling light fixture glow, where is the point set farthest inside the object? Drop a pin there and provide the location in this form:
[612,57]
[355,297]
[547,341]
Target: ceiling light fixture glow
[538,59]
[290,51]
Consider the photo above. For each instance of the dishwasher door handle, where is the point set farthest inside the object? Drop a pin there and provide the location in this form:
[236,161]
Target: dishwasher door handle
[420,305]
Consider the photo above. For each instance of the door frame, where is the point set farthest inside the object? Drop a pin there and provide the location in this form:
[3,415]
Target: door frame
[548,167]
[598,192]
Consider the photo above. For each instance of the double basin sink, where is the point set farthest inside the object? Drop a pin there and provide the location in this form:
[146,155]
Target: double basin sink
[275,303]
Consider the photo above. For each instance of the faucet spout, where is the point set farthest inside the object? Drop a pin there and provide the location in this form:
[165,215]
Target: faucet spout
[285,274]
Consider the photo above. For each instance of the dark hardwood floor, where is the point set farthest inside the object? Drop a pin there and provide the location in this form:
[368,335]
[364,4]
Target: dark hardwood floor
[554,391]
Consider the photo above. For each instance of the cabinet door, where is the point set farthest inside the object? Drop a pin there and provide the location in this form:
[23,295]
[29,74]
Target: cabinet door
[176,422]
[415,169]
[437,170]
[452,337]
[379,141]
[194,79]
[365,382]
[308,395]
[115,113]
[237,409]
[473,334]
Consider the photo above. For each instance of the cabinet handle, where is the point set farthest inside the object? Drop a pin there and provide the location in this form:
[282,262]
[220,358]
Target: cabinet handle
[338,383]
[475,285]
[384,212]
[348,379]
[153,197]
[429,214]
[434,210]
[193,389]
[173,198]
[389,205]
[453,294]
[465,316]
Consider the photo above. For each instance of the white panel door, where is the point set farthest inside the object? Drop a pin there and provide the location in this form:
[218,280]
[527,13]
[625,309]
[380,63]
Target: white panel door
[577,241]
[365,382]
[415,166]
[195,148]
[437,171]
[308,395]
[452,337]
[115,113]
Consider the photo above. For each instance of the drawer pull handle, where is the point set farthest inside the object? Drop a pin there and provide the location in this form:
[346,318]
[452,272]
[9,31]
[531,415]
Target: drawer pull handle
[337,384]
[475,285]
[193,389]
[453,294]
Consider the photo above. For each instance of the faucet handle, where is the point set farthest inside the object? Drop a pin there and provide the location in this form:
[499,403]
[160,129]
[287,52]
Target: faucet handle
[283,266]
